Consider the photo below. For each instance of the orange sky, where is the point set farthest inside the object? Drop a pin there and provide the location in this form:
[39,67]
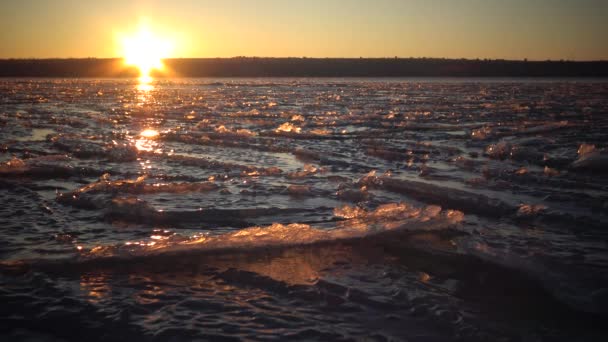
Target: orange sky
[515,29]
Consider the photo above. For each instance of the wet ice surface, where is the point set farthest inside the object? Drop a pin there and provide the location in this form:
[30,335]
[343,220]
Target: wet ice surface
[319,209]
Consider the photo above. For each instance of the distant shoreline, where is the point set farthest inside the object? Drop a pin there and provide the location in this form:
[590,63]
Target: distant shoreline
[306,67]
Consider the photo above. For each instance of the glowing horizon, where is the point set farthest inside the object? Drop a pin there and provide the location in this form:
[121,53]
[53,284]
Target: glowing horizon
[517,29]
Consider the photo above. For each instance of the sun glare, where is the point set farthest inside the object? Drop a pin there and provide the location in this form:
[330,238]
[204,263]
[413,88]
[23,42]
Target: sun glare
[149,133]
[145,51]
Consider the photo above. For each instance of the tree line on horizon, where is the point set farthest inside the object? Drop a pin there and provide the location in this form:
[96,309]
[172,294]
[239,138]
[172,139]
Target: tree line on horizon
[242,66]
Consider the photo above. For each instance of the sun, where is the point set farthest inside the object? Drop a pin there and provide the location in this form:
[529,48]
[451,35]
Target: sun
[145,50]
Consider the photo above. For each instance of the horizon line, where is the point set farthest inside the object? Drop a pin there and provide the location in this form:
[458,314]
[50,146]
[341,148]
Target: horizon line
[307,57]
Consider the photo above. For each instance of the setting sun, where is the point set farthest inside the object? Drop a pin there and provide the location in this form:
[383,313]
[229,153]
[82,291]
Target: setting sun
[145,51]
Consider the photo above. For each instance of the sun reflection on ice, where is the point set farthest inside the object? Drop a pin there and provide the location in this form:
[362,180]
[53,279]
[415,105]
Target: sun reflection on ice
[95,286]
[149,133]
[144,84]
[146,141]
[144,89]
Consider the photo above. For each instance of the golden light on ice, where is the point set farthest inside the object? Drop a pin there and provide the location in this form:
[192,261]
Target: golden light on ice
[149,133]
[146,141]
[145,51]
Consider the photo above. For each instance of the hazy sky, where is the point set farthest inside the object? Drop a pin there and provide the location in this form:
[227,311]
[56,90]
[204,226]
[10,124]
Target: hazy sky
[513,29]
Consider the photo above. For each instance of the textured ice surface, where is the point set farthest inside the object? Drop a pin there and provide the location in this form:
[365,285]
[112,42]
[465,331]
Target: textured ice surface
[313,209]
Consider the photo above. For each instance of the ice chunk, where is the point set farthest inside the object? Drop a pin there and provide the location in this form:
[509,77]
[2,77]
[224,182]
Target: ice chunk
[221,129]
[132,207]
[309,170]
[500,150]
[550,172]
[297,117]
[591,158]
[321,131]
[299,190]
[585,149]
[481,133]
[288,128]
[388,218]
[14,163]
[444,196]
[88,196]
[240,132]
[526,210]
[122,152]
[353,195]
[306,155]
[348,212]
[544,128]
